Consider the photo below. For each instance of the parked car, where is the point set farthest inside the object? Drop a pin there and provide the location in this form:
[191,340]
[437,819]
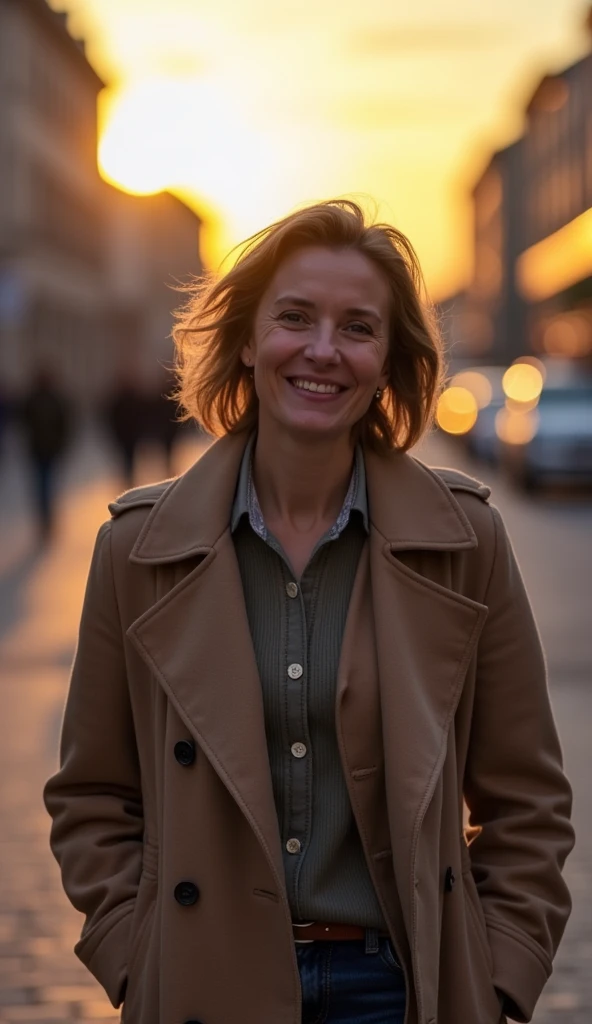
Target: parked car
[560,448]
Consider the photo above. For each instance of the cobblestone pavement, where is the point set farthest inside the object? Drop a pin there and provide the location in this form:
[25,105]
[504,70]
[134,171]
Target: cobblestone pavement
[40,598]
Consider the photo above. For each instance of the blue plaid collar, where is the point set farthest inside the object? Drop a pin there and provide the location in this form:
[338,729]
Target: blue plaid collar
[247,503]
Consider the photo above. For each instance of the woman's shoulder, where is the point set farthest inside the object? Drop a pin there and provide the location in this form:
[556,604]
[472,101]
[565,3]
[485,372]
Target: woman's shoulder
[129,512]
[473,497]
[139,497]
[456,480]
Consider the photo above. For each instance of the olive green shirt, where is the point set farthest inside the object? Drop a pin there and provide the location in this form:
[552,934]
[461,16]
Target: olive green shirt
[297,629]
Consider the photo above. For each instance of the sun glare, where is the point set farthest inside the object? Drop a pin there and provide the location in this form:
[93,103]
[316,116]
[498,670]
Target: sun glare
[187,135]
[166,132]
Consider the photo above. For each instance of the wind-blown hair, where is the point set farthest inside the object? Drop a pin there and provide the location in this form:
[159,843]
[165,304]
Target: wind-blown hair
[216,389]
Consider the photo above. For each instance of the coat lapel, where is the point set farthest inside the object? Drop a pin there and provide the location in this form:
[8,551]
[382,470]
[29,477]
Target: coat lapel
[196,638]
[425,636]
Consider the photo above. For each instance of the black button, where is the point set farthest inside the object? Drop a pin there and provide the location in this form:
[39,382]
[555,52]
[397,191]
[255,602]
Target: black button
[449,880]
[193,1022]
[185,752]
[186,893]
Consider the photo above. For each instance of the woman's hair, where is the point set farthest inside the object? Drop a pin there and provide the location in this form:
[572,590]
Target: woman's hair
[216,389]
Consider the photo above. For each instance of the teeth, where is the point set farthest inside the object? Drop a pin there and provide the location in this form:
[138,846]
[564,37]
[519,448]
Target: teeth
[311,385]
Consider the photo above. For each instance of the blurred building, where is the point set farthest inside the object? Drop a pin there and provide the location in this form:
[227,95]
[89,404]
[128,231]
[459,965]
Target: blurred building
[83,266]
[52,227]
[153,246]
[494,315]
[554,270]
[531,289]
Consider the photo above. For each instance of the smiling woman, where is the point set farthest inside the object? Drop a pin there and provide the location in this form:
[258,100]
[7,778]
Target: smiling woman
[319,287]
[296,662]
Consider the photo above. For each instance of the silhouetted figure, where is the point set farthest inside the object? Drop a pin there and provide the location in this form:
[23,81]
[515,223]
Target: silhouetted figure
[126,414]
[45,417]
[161,420]
[4,414]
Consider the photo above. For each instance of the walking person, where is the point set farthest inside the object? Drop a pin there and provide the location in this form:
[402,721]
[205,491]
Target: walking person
[161,418]
[126,414]
[295,661]
[46,421]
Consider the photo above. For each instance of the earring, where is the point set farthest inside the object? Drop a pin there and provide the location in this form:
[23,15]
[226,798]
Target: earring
[378,394]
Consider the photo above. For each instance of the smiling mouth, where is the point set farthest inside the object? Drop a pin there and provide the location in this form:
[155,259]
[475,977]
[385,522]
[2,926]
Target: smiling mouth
[302,384]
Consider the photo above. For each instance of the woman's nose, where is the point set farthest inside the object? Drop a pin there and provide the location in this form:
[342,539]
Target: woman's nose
[322,346]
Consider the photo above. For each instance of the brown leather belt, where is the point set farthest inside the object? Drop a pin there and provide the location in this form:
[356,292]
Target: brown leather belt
[321,931]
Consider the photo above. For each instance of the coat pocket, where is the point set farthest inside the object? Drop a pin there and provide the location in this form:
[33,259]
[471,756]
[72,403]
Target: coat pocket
[476,917]
[140,934]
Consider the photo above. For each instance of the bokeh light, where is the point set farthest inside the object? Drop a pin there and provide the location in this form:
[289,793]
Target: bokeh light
[569,335]
[457,410]
[516,427]
[522,382]
[477,383]
[533,361]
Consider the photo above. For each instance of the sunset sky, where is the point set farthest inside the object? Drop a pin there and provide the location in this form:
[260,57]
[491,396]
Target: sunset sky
[251,109]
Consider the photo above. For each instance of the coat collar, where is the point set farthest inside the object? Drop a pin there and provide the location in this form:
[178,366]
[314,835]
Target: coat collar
[410,506]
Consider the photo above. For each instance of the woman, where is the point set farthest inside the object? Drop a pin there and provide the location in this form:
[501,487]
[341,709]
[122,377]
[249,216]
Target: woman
[294,662]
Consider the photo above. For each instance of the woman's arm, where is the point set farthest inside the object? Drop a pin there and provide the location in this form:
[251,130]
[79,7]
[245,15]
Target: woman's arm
[95,797]
[517,793]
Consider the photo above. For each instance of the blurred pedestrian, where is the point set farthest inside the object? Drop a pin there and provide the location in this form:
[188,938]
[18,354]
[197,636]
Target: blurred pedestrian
[46,421]
[162,424]
[295,662]
[126,413]
[4,417]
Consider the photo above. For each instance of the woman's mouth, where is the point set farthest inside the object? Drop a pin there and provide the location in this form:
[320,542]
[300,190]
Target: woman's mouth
[314,387]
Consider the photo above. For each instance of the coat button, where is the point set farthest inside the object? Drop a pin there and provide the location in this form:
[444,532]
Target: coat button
[185,752]
[449,880]
[186,893]
[193,1022]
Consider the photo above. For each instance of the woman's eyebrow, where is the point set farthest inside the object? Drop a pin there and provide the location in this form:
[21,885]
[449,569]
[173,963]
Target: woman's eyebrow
[294,300]
[297,300]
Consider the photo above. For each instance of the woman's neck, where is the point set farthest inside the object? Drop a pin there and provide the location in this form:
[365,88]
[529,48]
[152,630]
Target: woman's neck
[301,483]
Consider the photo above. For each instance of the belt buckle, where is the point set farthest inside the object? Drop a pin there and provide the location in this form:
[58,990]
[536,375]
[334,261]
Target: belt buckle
[304,924]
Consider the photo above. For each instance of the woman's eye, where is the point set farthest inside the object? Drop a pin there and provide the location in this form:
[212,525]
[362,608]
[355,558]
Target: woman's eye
[360,328]
[292,316]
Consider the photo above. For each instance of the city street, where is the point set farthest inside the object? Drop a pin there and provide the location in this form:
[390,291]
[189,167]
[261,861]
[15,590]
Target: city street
[40,599]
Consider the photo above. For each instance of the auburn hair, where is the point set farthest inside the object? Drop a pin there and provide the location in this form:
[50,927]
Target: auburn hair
[211,329]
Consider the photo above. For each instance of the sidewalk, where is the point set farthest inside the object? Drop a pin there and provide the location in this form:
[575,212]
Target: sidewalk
[41,594]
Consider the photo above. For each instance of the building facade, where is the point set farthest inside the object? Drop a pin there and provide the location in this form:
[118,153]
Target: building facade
[80,262]
[554,269]
[531,290]
[494,314]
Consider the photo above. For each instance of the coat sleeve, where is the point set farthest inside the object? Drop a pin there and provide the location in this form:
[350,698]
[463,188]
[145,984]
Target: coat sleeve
[517,794]
[95,797]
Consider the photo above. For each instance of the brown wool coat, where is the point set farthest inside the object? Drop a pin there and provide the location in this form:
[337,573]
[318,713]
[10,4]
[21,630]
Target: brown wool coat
[441,693]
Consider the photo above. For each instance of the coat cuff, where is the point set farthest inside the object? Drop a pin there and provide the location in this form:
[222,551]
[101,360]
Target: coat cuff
[518,973]
[103,951]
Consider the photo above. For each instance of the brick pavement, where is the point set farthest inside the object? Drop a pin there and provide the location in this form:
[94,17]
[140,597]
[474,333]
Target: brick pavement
[40,597]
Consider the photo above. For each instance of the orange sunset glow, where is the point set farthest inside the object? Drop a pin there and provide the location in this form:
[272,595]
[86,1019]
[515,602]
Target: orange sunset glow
[250,110]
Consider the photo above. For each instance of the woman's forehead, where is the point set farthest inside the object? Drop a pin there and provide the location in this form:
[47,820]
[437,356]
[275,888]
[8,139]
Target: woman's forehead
[317,272]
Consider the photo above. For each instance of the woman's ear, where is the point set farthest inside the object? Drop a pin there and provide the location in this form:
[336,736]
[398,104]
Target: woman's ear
[384,376]
[247,355]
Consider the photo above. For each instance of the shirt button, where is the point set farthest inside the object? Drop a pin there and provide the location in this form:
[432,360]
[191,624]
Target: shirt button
[293,846]
[292,589]
[298,749]
[295,671]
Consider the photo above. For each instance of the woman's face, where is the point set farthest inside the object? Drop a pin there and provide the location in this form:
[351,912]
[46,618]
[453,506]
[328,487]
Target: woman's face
[320,342]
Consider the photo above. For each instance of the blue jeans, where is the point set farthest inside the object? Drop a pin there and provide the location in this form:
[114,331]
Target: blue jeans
[351,982]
